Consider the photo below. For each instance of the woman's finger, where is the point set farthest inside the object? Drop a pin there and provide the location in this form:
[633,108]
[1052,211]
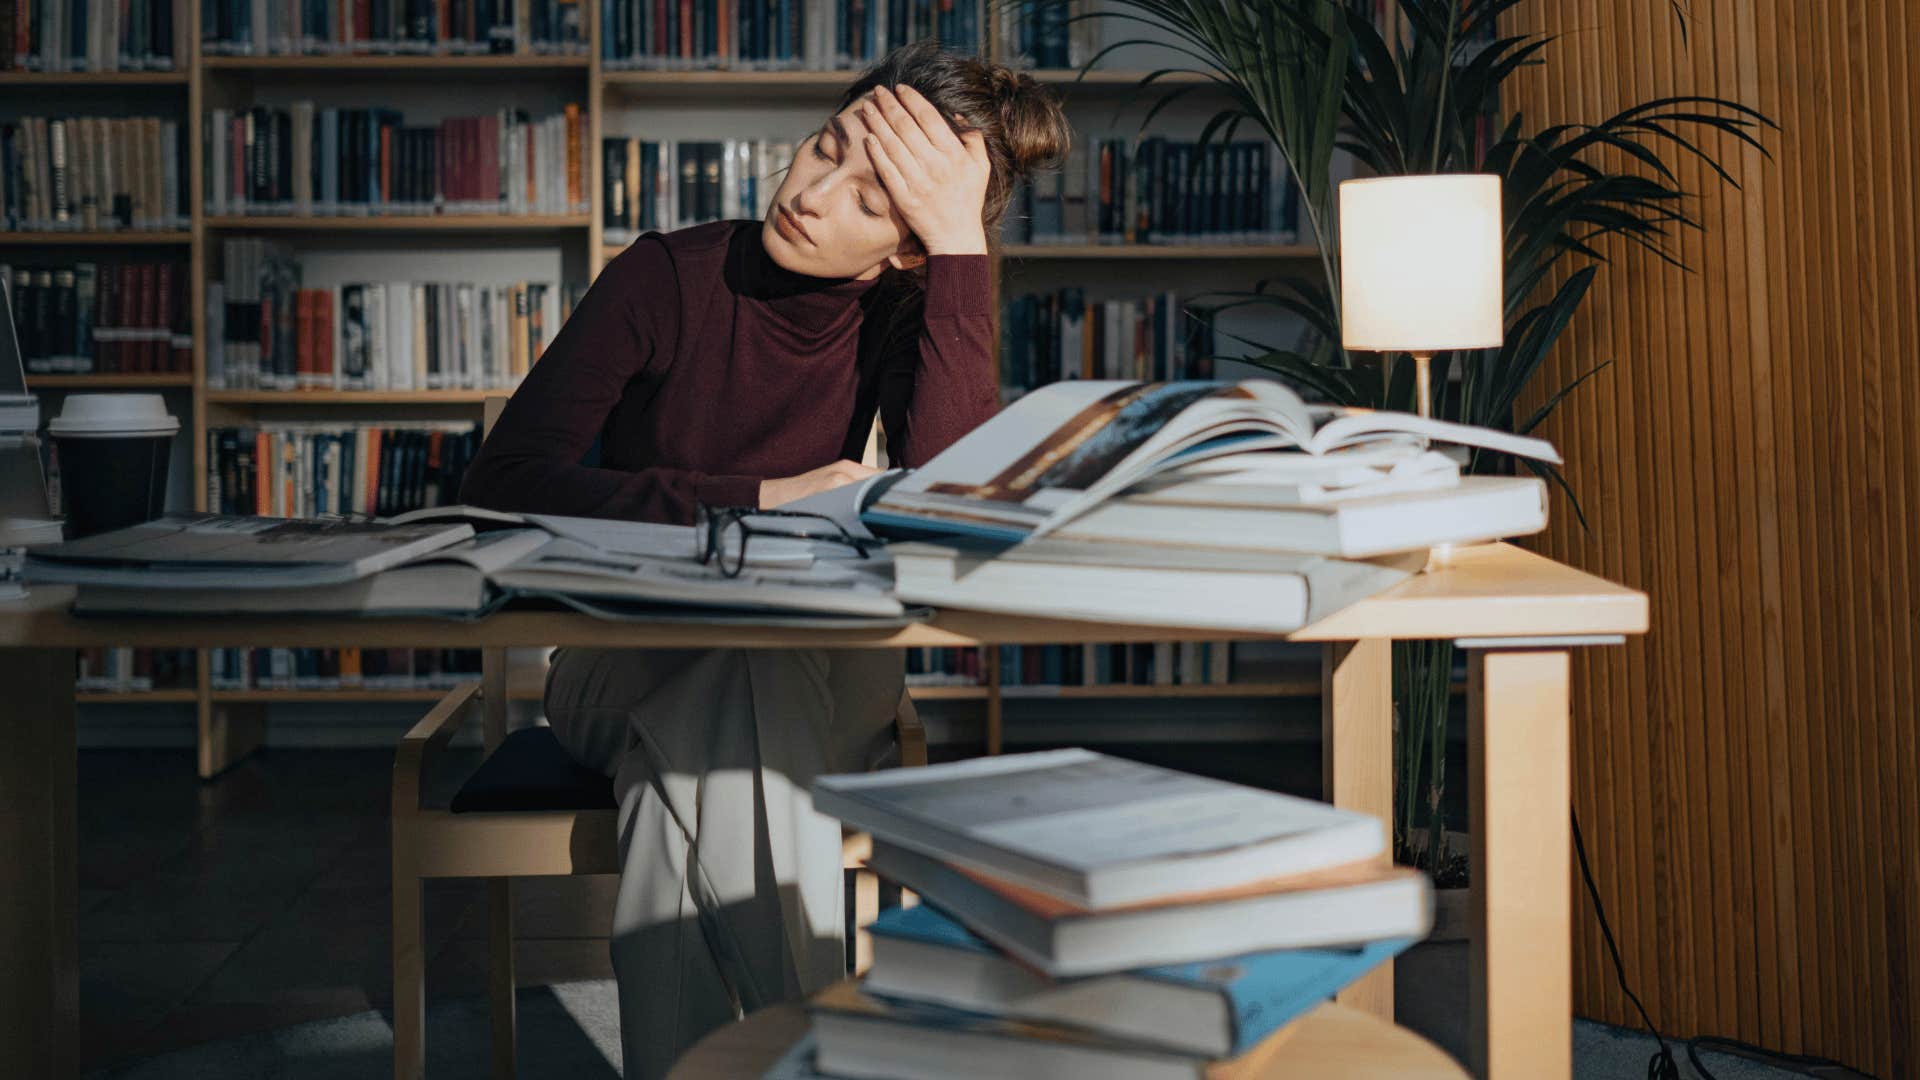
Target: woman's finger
[934,126]
[975,145]
[887,171]
[904,126]
[905,162]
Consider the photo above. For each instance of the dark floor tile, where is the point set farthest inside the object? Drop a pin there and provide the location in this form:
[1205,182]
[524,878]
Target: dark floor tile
[461,967]
[127,990]
[195,1023]
[113,857]
[93,898]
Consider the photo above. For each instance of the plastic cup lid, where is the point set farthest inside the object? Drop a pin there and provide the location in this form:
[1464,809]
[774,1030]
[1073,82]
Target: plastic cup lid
[109,416]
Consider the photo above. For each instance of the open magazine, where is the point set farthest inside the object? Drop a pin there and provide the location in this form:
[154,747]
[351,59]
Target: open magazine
[1066,447]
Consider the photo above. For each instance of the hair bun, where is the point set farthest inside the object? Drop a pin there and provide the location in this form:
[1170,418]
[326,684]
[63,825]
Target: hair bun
[1037,132]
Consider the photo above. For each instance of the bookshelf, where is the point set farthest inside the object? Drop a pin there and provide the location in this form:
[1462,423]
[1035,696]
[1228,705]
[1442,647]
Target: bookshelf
[230,721]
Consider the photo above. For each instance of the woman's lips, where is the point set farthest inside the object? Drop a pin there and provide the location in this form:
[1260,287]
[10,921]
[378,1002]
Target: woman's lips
[792,223]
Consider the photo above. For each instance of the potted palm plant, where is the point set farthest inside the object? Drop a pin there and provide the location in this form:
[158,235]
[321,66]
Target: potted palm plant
[1418,91]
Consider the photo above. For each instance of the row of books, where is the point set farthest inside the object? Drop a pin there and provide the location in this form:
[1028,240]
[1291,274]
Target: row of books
[1162,663]
[88,35]
[341,668]
[1046,337]
[1052,34]
[670,185]
[393,27]
[1139,663]
[120,669]
[266,331]
[97,318]
[305,469]
[93,173]
[1160,191]
[779,35]
[306,160]
[1085,915]
[945,665]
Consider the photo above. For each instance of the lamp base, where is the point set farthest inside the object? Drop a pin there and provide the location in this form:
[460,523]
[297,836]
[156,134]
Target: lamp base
[1423,384]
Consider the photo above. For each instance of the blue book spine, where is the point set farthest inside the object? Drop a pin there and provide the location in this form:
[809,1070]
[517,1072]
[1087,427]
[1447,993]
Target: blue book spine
[1265,991]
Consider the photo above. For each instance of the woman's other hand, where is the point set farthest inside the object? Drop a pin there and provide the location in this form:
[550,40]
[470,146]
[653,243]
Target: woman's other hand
[936,180]
[779,492]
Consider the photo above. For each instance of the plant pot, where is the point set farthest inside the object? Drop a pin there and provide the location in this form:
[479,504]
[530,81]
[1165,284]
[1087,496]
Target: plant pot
[1430,979]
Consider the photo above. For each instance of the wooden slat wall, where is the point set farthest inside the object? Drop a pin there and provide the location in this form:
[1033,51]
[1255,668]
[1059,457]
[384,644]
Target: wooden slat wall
[1746,775]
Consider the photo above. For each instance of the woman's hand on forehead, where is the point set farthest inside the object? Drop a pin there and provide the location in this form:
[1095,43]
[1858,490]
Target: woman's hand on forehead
[937,180]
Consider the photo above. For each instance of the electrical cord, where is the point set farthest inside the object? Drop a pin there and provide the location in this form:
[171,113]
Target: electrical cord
[1662,1065]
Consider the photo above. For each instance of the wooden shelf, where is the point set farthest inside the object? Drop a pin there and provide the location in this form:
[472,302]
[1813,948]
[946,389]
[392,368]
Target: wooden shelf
[948,693]
[1039,252]
[93,78]
[1102,79]
[408,65]
[401,223]
[135,697]
[351,397]
[108,381]
[52,238]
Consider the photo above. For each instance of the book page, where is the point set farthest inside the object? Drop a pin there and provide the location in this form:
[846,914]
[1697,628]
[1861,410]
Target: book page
[1361,425]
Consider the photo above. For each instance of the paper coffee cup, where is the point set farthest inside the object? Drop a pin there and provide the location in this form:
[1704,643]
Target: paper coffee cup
[114,450]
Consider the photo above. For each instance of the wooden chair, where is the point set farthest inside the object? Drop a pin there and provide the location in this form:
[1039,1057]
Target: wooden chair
[528,811]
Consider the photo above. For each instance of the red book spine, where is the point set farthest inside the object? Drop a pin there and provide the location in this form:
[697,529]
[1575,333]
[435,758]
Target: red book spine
[106,357]
[302,337]
[686,28]
[386,163]
[161,346]
[125,359]
[362,23]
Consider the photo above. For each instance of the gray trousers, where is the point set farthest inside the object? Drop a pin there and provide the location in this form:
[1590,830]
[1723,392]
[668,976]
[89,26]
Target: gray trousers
[731,895]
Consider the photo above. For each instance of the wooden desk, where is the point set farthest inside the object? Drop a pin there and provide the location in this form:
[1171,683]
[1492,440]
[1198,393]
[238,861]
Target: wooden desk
[1332,1042]
[1520,613]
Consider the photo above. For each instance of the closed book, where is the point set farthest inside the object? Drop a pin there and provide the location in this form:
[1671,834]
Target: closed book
[1217,1008]
[1479,508]
[1142,584]
[857,1034]
[1347,905]
[1095,830]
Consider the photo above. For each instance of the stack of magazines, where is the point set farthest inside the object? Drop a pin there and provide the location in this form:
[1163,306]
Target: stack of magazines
[1083,915]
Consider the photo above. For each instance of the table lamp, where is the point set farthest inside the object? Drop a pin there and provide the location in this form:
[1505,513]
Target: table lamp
[1420,267]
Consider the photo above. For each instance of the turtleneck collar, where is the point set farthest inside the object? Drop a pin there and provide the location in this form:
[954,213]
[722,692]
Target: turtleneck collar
[808,304]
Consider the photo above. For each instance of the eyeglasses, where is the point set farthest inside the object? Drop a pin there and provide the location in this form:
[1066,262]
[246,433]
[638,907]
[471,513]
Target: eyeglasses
[721,533]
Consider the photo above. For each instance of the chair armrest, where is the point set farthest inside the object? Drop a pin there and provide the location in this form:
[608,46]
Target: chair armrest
[425,741]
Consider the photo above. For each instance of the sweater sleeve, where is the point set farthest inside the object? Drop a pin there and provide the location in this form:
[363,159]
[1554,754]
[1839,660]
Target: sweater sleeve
[942,384]
[623,329]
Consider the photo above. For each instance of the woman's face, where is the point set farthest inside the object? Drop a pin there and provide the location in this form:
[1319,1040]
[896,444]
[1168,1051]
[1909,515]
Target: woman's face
[831,217]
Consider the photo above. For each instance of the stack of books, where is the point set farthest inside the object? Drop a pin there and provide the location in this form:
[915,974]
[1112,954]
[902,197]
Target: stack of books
[92,173]
[1202,505]
[1084,915]
[91,318]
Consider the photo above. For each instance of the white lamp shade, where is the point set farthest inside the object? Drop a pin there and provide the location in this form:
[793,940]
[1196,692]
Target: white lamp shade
[1421,263]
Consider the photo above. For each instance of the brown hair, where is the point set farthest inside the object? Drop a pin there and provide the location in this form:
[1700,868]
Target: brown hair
[1020,120]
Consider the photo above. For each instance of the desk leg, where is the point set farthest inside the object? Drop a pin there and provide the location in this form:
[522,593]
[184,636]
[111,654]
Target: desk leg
[1521,899]
[39,941]
[1356,747]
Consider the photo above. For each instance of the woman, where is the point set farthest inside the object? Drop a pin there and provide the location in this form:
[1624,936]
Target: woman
[742,364]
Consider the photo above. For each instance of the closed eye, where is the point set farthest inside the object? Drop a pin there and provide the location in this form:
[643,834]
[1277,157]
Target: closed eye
[859,196]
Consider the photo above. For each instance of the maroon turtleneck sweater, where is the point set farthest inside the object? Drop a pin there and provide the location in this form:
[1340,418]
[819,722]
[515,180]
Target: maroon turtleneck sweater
[705,368]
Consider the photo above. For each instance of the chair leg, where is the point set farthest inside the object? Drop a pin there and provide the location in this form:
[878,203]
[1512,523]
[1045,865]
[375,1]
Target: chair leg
[409,974]
[500,973]
[866,908]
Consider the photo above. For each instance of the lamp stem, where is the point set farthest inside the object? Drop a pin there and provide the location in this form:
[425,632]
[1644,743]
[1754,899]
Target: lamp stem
[1422,384]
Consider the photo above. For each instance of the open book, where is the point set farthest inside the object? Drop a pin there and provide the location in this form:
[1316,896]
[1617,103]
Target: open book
[1067,447]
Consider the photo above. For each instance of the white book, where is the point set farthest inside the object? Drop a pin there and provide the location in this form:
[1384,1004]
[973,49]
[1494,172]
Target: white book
[1338,905]
[1479,508]
[1143,584]
[400,335]
[1098,831]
